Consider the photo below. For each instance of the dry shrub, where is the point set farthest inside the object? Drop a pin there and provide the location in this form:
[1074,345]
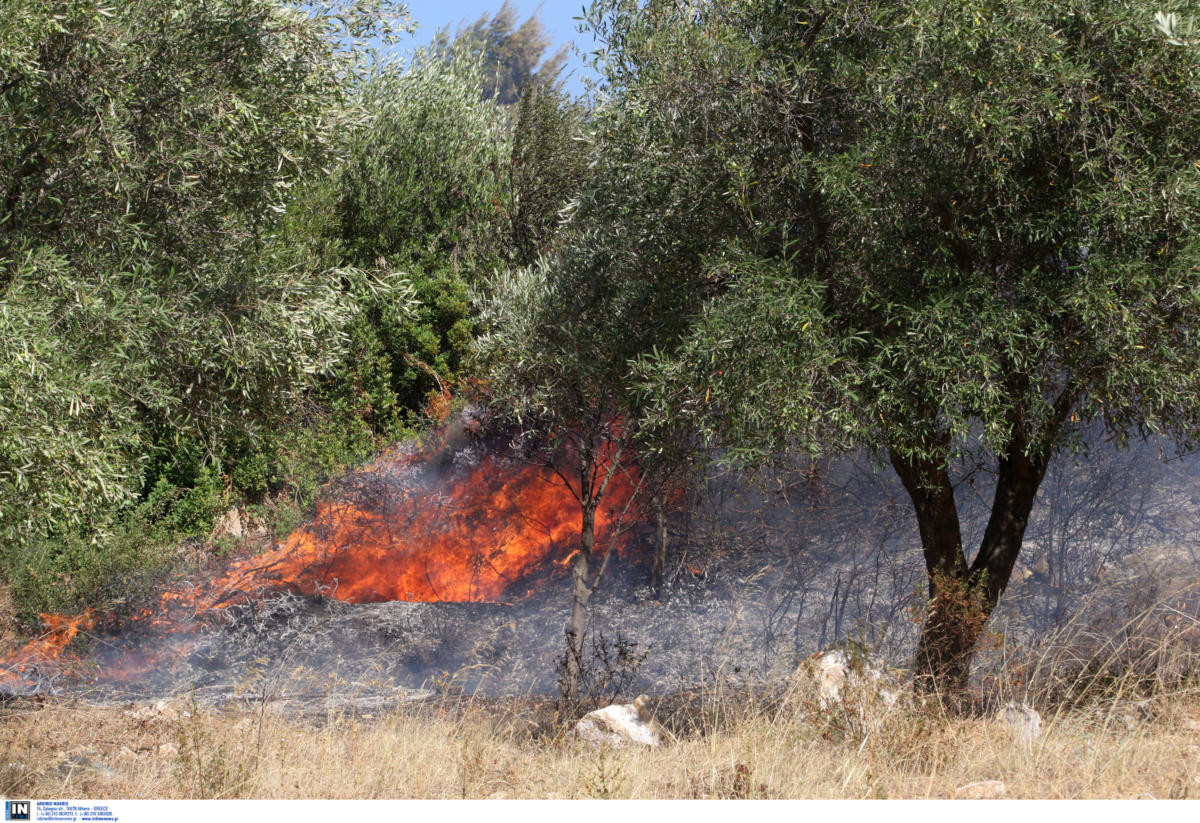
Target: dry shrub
[844,694]
[1128,652]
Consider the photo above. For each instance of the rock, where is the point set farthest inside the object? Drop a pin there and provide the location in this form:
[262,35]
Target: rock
[162,710]
[79,765]
[168,750]
[620,724]
[230,525]
[830,671]
[1023,719]
[833,674]
[981,790]
[1191,724]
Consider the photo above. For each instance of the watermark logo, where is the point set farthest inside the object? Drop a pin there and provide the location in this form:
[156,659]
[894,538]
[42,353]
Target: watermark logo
[16,809]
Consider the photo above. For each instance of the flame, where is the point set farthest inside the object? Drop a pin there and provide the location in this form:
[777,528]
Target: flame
[60,631]
[415,527]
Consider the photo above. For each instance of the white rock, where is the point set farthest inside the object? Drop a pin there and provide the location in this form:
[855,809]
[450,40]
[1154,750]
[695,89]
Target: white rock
[230,525]
[620,724]
[832,672]
[1024,719]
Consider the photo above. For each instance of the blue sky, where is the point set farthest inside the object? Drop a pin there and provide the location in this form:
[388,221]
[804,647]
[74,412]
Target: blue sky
[555,15]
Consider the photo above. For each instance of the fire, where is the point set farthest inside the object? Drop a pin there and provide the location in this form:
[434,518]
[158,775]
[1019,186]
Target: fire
[60,631]
[416,526]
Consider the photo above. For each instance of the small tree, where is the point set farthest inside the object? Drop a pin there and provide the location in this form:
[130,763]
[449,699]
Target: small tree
[619,276]
[548,375]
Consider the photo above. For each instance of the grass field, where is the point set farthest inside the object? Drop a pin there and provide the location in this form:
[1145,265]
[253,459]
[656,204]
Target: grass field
[730,746]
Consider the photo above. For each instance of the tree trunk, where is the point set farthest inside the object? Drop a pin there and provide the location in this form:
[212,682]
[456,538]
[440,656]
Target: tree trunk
[658,570]
[962,598]
[595,473]
[581,592]
[943,659]
[955,620]
[1018,479]
[928,485]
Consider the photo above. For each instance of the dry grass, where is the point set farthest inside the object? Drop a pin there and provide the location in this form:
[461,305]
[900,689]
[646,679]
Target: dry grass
[1120,704]
[749,749]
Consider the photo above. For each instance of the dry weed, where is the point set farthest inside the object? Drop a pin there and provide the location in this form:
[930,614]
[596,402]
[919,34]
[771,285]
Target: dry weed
[463,751]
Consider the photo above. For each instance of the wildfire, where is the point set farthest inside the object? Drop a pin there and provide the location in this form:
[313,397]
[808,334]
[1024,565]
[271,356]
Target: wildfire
[415,527]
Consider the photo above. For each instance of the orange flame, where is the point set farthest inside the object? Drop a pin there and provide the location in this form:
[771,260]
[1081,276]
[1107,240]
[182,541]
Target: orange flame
[468,534]
[60,631]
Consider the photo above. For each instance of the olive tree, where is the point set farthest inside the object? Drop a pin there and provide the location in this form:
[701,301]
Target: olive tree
[147,149]
[548,376]
[937,231]
[420,190]
[617,276]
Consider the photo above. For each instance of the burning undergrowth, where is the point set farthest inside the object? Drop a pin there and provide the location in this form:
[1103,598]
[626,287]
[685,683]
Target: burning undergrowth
[445,568]
[462,523]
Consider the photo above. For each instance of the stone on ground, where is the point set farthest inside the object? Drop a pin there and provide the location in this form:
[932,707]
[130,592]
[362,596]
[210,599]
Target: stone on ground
[620,725]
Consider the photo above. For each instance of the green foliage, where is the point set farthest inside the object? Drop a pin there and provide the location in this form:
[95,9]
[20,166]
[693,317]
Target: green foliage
[146,149]
[420,180]
[64,572]
[915,228]
[625,272]
[419,191]
[939,223]
[141,544]
[68,434]
[548,165]
[300,459]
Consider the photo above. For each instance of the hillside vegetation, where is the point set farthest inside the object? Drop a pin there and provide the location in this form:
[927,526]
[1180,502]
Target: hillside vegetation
[242,252]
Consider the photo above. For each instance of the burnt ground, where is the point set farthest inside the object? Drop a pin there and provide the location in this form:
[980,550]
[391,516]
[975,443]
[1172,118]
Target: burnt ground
[761,573]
